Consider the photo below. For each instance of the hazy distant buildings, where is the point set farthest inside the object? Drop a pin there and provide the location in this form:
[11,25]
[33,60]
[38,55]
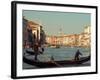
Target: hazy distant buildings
[82,39]
[85,37]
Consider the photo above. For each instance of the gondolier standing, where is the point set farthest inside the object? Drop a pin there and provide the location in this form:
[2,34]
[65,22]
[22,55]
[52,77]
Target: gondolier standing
[36,50]
[77,55]
[42,39]
[39,43]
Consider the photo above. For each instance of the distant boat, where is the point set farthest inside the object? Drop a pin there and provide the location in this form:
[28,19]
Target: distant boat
[55,46]
[72,46]
[58,46]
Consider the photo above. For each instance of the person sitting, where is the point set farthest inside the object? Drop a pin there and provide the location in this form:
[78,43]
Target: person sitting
[77,55]
[52,58]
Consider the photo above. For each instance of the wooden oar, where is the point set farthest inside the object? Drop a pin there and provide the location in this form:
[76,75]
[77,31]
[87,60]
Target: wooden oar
[55,63]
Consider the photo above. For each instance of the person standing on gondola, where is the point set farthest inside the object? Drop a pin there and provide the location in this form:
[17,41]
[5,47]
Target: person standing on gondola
[77,54]
[35,47]
[42,39]
[36,50]
[39,43]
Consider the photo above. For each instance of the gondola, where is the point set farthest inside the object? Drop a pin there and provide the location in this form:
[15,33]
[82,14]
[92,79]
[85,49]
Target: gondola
[30,52]
[53,63]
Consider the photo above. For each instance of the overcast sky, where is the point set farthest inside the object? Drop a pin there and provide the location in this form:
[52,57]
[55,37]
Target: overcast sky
[53,22]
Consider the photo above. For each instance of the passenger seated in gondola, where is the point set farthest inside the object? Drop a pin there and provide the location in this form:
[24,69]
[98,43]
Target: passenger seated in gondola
[77,55]
[52,58]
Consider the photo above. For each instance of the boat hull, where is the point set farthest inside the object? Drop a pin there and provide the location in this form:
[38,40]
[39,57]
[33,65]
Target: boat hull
[55,63]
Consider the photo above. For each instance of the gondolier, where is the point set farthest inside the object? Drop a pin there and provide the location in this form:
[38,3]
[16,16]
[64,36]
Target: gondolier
[42,40]
[77,55]
[36,50]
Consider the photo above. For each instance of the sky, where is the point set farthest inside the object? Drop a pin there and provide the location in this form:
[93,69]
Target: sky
[55,23]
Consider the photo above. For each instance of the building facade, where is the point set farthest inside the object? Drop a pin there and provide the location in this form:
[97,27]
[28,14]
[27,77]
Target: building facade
[78,40]
[31,30]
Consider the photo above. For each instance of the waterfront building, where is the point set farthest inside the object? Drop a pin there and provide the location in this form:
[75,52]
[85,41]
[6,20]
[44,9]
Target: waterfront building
[25,33]
[30,29]
[84,40]
[35,27]
[85,37]
[72,40]
[64,40]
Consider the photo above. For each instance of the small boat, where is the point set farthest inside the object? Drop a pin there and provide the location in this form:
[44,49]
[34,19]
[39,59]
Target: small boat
[52,63]
[58,46]
[55,46]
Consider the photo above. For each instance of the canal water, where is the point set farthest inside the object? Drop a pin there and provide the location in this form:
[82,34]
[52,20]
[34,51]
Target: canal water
[62,53]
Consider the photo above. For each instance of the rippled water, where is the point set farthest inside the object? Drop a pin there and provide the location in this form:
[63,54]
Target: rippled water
[63,53]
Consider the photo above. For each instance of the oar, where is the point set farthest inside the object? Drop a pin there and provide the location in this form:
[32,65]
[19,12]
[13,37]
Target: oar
[56,63]
[53,61]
